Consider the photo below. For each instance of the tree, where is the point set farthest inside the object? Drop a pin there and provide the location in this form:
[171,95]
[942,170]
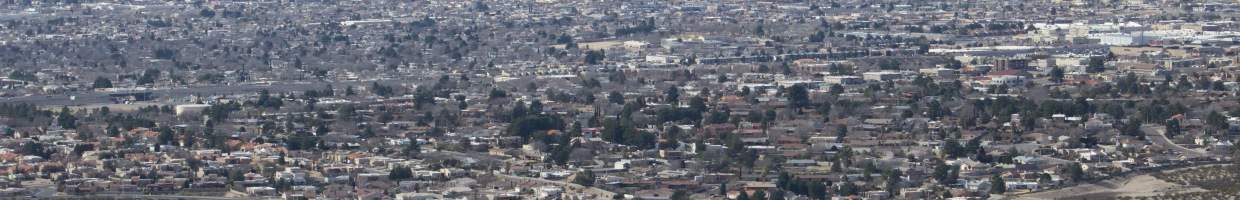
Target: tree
[104,111]
[385,117]
[680,195]
[148,77]
[818,190]
[112,131]
[697,104]
[165,135]
[868,171]
[1045,178]
[1235,154]
[266,100]
[564,39]
[102,82]
[1096,65]
[400,173]
[841,132]
[480,6]
[835,89]
[1076,172]
[1173,128]
[496,93]
[953,149]
[890,65]
[23,75]
[207,13]
[594,57]
[798,96]
[382,90]
[585,178]
[942,172]
[423,97]
[1056,74]
[34,148]
[817,37]
[615,97]
[997,185]
[1132,128]
[777,195]
[1217,121]
[346,112]
[65,119]
[848,188]
[783,180]
[672,95]
[536,107]
[413,148]
[893,177]
[164,53]
[526,127]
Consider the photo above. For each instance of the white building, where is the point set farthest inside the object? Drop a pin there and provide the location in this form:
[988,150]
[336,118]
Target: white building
[188,109]
[1009,80]
[1122,39]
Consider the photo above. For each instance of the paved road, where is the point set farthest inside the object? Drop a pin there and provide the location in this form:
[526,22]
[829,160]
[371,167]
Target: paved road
[142,196]
[92,97]
[1155,134]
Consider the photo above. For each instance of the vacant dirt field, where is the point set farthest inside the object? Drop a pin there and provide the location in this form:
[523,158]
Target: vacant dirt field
[1134,186]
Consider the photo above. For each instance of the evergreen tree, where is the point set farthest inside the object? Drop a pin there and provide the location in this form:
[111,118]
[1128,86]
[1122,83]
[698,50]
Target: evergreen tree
[672,95]
[400,173]
[102,82]
[777,195]
[893,181]
[413,148]
[680,195]
[165,135]
[65,119]
[1076,172]
[1056,74]
[615,97]
[585,178]
[997,185]
[798,96]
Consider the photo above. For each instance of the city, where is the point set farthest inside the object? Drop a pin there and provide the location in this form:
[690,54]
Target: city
[632,99]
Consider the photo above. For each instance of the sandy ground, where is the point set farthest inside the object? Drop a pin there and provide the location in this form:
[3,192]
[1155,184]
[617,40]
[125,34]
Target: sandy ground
[1135,186]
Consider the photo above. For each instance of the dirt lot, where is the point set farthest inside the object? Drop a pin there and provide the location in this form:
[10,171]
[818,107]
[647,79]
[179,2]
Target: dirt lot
[1134,186]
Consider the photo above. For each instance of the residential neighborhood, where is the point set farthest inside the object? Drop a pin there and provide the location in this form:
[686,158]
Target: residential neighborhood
[637,99]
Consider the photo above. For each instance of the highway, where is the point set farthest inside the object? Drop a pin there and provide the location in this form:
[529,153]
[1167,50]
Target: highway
[142,196]
[93,97]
